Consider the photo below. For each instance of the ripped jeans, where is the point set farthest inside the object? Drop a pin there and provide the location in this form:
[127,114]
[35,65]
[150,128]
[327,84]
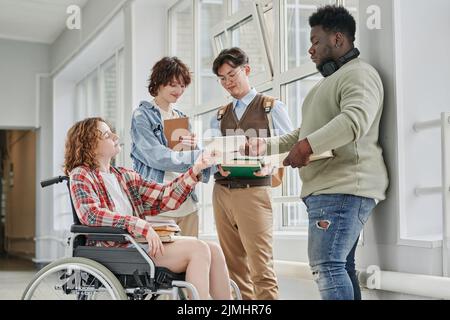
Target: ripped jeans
[335,223]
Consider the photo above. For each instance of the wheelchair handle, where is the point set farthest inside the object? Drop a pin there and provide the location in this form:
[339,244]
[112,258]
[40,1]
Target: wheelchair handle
[52,181]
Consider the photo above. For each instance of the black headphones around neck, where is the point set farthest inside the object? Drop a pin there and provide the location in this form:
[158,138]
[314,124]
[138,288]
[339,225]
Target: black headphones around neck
[329,67]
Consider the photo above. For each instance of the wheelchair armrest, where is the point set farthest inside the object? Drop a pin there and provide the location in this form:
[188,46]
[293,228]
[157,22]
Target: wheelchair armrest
[97,230]
[101,233]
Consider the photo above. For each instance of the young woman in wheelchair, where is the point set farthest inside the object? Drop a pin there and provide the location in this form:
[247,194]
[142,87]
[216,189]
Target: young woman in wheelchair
[104,195]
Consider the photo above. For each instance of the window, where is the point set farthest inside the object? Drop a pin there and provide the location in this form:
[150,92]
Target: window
[276,35]
[109,103]
[210,13]
[353,7]
[207,224]
[294,214]
[244,35]
[244,30]
[268,14]
[297,30]
[93,95]
[100,94]
[220,41]
[239,5]
[182,42]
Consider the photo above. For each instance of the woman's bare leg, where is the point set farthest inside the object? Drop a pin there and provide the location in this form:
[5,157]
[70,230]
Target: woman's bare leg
[190,256]
[219,277]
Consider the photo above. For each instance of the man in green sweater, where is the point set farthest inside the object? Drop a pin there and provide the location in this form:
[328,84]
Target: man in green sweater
[341,113]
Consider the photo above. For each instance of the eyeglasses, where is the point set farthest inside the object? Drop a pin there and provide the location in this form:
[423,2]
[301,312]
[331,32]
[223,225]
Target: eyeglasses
[108,135]
[231,77]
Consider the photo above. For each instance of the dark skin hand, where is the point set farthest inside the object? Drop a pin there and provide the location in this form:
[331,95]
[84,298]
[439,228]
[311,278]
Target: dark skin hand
[299,155]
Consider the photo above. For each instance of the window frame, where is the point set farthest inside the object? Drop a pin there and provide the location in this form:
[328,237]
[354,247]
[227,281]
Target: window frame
[225,27]
[82,93]
[194,43]
[275,78]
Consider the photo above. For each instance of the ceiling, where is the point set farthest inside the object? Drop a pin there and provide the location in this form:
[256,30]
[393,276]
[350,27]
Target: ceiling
[39,21]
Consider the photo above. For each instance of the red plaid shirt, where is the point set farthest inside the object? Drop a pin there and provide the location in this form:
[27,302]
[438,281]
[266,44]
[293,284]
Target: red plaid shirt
[95,207]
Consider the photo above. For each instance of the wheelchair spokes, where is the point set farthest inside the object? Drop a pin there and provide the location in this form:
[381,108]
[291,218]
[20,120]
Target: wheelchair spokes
[74,279]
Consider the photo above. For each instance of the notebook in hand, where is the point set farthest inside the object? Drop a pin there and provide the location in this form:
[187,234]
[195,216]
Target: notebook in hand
[243,167]
[174,129]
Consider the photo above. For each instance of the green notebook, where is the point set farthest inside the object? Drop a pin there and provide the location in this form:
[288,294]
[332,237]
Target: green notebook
[242,172]
[243,167]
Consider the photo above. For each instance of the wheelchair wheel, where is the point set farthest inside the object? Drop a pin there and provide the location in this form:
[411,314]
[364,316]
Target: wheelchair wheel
[74,279]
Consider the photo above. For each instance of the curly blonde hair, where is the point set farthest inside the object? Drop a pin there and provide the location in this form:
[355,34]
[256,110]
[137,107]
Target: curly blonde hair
[81,142]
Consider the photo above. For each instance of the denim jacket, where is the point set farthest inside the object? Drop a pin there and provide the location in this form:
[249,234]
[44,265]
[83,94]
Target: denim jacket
[149,152]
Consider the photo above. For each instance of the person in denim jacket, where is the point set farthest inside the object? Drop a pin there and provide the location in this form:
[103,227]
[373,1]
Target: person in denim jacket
[151,156]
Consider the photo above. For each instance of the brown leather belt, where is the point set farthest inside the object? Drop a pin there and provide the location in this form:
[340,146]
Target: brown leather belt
[241,185]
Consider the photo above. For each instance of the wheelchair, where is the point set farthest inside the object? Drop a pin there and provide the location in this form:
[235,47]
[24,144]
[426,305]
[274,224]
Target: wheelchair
[104,273]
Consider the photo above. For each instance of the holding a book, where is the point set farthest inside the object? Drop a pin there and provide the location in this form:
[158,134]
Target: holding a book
[342,113]
[242,205]
[153,128]
[108,196]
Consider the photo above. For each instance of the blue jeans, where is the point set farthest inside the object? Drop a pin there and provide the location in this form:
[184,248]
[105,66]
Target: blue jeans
[335,223]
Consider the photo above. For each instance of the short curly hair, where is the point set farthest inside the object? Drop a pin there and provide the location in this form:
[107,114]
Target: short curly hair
[334,19]
[81,142]
[166,70]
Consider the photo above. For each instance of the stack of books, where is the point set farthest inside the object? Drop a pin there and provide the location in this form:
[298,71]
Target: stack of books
[167,229]
[243,166]
[227,151]
[246,166]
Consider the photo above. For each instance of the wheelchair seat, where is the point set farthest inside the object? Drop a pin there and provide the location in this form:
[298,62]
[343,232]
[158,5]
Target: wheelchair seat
[128,265]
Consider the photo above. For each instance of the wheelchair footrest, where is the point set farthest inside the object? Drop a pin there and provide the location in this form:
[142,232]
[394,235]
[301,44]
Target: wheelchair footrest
[164,277]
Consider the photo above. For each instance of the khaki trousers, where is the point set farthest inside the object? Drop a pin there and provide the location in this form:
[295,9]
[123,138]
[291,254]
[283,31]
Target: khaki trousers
[188,224]
[244,224]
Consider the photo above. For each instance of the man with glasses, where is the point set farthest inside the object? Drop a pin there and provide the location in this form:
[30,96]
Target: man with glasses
[242,206]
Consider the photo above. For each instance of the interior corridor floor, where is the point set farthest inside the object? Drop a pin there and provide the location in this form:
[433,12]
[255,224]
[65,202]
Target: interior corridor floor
[16,273]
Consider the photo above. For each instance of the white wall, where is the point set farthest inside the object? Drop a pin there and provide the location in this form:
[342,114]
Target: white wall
[103,46]
[26,102]
[19,64]
[410,53]
[145,43]
[47,245]
[94,16]
[150,36]
[423,83]
[72,55]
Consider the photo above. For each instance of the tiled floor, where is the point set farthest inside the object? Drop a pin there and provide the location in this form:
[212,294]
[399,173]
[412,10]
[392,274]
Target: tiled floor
[15,274]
